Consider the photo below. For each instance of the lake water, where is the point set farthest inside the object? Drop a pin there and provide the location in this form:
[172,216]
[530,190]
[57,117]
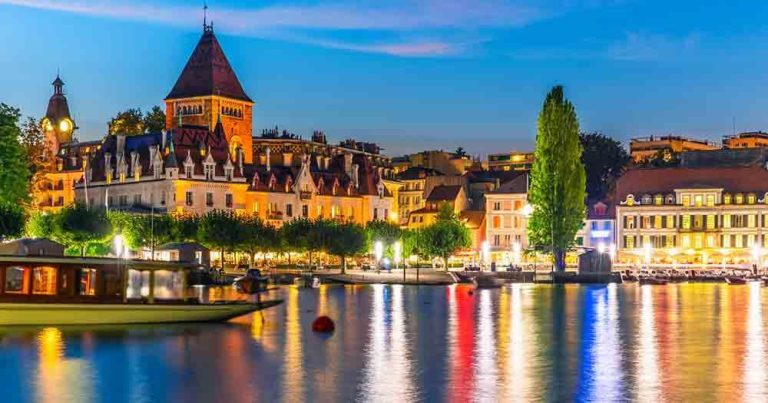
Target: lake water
[694,342]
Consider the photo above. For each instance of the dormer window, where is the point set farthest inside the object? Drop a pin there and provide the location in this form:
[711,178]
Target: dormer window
[658,200]
[751,198]
[727,199]
[670,199]
[739,198]
[646,199]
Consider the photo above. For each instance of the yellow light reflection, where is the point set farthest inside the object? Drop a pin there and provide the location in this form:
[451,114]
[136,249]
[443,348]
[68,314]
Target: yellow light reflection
[293,375]
[754,362]
[485,357]
[647,355]
[59,378]
[519,372]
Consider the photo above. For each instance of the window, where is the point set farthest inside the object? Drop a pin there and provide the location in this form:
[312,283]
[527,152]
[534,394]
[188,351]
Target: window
[750,198]
[739,199]
[375,212]
[671,221]
[189,198]
[686,241]
[710,200]
[698,200]
[629,242]
[496,240]
[496,206]
[496,222]
[305,211]
[726,199]
[123,200]
[209,199]
[710,221]
[88,282]
[686,222]
[727,221]
[289,210]
[658,200]
[751,221]
[14,280]
[228,200]
[44,280]
[657,222]
[199,257]
[686,200]
[137,199]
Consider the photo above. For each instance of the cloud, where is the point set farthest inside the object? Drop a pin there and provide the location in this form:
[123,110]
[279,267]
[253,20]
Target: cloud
[405,23]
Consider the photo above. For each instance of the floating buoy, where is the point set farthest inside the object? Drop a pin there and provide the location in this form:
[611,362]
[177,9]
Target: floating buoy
[470,292]
[323,324]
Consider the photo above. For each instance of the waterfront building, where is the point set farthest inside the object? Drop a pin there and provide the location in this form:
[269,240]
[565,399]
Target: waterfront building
[512,161]
[62,161]
[746,140]
[206,160]
[598,229]
[440,195]
[507,212]
[692,215]
[645,148]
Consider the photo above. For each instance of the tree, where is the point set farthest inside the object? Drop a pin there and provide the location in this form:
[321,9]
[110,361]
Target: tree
[295,235]
[33,142]
[40,225]
[460,152]
[220,230]
[346,239]
[382,231]
[14,171]
[662,159]
[141,230]
[257,237]
[11,221]
[80,227]
[558,179]
[445,236]
[154,120]
[185,228]
[319,235]
[604,160]
[129,123]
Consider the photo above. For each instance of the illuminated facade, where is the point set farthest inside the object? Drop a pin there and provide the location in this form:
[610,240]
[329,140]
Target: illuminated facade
[514,161]
[746,140]
[452,195]
[507,219]
[207,160]
[687,215]
[644,148]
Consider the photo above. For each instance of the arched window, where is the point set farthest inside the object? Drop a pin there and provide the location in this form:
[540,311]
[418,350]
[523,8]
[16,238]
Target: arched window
[646,199]
[670,199]
[630,200]
[739,198]
[751,198]
[727,198]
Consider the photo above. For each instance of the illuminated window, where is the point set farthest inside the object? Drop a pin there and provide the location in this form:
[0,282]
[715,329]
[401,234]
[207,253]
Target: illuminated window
[629,242]
[88,282]
[671,221]
[727,199]
[750,198]
[727,221]
[670,241]
[44,280]
[739,199]
[710,200]
[658,200]
[710,241]
[711,221]
[698,200]
[630,200]
[751,221]
[686,222]
[15,281]
[739,242]
[686,241]
[686,200]
[657,222]
[726,241]
[496,222]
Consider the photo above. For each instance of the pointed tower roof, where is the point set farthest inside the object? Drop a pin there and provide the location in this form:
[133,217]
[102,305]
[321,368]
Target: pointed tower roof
[58,107]
[208,72]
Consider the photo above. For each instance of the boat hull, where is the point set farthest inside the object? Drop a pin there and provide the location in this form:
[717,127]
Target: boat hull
[13,314]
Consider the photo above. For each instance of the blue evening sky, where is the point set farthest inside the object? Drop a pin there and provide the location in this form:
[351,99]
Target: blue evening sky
[408,74]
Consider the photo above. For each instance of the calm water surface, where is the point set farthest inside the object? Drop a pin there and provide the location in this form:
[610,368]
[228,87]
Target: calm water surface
[694,342]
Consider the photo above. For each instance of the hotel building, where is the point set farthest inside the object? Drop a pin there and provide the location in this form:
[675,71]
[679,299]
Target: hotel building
[692,215]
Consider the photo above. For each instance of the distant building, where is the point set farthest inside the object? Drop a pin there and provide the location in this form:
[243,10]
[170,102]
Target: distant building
[598,229]
[645,148]
[452,195]
[514,161]
[446,162]
[746,140]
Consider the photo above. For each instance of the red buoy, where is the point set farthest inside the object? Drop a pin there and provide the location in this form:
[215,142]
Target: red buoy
[323,324]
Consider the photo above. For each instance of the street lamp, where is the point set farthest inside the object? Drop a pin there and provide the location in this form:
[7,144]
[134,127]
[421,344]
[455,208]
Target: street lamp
[398,250]
[601,248]
[612,251]
[119,243]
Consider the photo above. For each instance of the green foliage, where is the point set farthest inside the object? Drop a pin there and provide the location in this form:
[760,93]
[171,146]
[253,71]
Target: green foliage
[295,234]
[445,237]
[220,230]
[40,225]
[413,243]
[11,221]
[129,123]
[185,228]
[558,179]
[142,230]
[346,239]
[384,231]
[14,171]
[154,120]
[257,236]
[662,159]
[32,140]
[79,227]
[604,160]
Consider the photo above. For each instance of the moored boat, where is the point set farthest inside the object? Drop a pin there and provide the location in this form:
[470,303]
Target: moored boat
[653,281]
[57,290]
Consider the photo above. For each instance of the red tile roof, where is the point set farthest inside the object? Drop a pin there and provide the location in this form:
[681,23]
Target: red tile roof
[444,193]
[208,72]
[665,180]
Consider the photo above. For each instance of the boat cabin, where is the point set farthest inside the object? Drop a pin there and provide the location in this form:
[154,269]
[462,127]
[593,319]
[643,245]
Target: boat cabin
[63,279]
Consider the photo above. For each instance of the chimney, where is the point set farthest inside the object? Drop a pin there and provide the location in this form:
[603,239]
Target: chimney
[288,159]
[355,176]
[268,162]
[120,147]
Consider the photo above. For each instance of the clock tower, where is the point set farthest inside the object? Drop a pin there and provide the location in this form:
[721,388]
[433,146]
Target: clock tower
[58,125]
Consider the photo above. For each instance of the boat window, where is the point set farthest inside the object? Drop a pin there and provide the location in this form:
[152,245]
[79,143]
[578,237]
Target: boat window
[14,280]
[138,284]
[87,281]
[168,284]
[44,280]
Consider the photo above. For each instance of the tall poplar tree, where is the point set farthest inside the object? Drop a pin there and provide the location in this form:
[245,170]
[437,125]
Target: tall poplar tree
[558,180]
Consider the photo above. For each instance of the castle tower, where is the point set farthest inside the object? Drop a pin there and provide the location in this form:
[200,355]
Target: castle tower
[57,124]
[208,91]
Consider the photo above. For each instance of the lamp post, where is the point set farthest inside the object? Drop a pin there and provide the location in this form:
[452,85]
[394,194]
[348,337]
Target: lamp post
[378,252]
[486,252]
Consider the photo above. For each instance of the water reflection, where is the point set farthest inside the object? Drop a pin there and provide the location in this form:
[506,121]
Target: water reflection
[682,342]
